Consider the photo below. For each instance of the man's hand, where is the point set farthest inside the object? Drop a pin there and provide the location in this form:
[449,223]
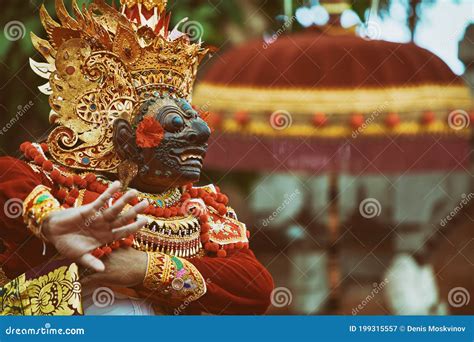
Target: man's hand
[125,267]
[76,232]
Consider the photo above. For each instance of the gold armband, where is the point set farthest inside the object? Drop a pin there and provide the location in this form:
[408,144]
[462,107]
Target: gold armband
[36,207]
[174,278]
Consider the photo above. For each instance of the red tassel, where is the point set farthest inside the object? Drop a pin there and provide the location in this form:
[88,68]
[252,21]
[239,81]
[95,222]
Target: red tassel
[77,179]
[222,209]
[205,228]
[74,193]
[61,195]
[98,253]
[47,165]
[90,178]
[24,146]
[221,253]
[159,212]
[128,242]
[69,182]
[62,180]
[70,201]
[55,174]
[115,245]
[205,238]
[39,160]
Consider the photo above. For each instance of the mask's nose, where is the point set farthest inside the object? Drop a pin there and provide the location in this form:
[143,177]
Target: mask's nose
[200,132]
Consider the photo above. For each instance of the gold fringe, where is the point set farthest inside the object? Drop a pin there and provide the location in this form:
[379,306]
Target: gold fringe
[333,101]
[338,131]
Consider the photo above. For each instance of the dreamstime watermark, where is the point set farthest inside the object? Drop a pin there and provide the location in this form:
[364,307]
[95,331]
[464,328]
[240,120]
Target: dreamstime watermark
[371,31]
[370,208]
[281,297]
[21,110]
[14,30]
[288,199]
[459,119]
[103,297]
[280,120]
[193,29]
[46,330]
[369,120]
[458,297]
[184,305]
[465,200]
[377,288]
[91,219]
[269,40]
[13,208]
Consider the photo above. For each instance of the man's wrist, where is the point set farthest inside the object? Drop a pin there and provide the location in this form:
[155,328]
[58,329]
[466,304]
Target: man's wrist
[37,209]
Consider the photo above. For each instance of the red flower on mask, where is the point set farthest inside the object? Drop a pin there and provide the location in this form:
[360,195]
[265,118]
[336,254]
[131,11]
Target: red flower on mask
[149,133]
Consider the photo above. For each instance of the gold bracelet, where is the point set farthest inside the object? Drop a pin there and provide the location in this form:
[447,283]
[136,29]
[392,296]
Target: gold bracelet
[155,270]
[36,208]
[174,278]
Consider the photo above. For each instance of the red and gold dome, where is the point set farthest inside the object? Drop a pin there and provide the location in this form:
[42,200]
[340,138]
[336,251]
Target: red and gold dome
[319,88]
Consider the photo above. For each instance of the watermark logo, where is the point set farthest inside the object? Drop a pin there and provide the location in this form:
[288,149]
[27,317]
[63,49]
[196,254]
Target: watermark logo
[370,208]
[14,30]
[371,31]
[21,110]
[458,297]
[288,199]
[13,208]
[194,30]
[369,120]
[280,120]
[281,297]
[458,120]
[103,297]
[270,39]
[377,288]
[464,201]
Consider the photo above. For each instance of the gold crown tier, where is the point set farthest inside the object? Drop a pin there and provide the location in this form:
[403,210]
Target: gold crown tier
[149,4]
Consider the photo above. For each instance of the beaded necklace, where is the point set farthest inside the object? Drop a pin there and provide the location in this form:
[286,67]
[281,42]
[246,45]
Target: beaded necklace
[172,229]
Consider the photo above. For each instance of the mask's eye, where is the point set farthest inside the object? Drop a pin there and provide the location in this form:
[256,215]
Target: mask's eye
[173,122]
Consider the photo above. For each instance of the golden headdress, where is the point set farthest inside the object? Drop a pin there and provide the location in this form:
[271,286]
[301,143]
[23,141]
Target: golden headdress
[101,65]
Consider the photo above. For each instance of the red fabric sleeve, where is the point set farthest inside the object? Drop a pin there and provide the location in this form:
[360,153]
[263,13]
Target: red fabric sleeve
[19,249]
[236,285]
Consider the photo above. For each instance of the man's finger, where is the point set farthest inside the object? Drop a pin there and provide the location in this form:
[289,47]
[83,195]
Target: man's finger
[114,211]
[90,261]
[123,232]
[101,201]
[130,214]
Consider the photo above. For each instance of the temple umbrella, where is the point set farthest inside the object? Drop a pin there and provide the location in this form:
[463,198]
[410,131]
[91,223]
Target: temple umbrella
[329,102]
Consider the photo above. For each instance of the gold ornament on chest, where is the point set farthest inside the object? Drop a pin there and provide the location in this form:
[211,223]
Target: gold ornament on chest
[176,236]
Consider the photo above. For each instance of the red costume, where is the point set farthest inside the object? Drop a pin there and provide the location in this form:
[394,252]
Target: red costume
[197,251]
